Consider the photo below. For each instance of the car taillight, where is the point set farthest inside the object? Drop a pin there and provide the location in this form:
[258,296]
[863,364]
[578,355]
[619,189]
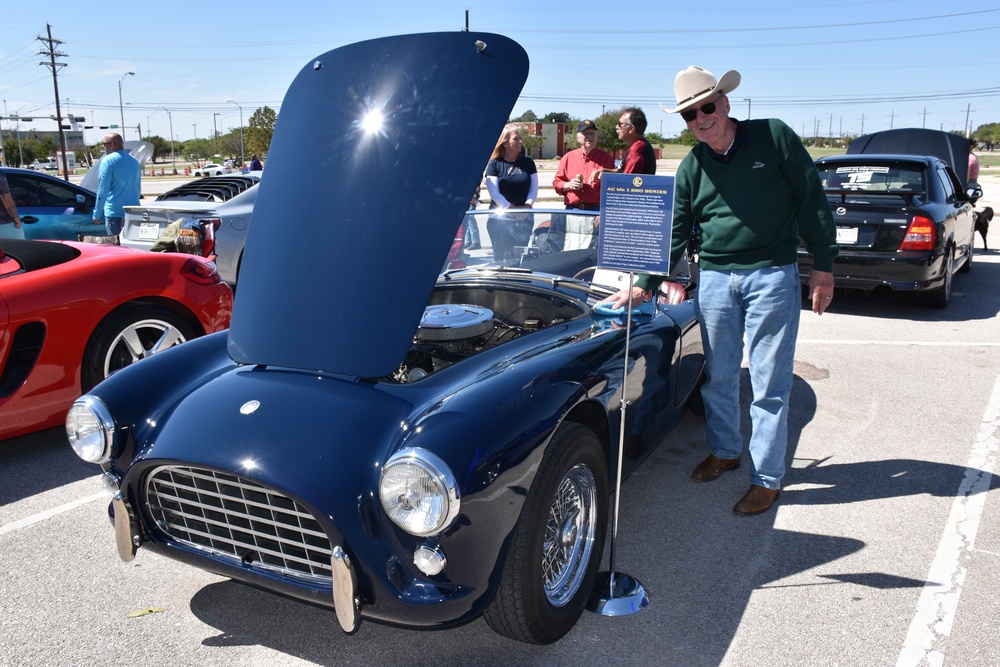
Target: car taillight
[201,271]
[208,227]
[920,235]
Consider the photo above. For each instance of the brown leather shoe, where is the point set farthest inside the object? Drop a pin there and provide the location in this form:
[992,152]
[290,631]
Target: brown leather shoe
[713,467]
[758,499]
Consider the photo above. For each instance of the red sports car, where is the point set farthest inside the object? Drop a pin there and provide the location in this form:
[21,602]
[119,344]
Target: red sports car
[73,313]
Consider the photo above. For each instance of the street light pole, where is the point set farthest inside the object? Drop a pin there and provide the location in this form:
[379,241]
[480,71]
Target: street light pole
[121,107]
[173,155]
[242,155]
[3,153]
[195,126]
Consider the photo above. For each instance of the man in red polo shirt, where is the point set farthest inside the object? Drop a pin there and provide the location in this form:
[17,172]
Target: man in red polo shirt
[578,176]
[640,158]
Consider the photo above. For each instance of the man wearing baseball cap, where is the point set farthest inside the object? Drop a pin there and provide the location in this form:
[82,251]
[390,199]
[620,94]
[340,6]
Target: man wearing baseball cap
[754,191]
[578,176]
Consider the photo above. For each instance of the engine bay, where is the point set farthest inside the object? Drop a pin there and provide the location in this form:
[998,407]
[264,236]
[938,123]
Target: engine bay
[464,320]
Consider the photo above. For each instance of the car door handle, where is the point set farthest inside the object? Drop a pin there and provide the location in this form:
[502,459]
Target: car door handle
[29,219]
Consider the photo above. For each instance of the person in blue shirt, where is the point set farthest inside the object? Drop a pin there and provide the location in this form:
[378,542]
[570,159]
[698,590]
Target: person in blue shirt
[119,184]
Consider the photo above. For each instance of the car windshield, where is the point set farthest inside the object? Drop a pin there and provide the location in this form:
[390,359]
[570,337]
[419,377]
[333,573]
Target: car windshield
[872,178]
[554,241]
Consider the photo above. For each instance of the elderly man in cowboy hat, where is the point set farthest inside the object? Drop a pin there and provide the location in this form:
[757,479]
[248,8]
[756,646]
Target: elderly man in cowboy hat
[754,191]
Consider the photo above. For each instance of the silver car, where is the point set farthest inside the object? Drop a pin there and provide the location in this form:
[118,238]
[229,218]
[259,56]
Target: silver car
[226,201]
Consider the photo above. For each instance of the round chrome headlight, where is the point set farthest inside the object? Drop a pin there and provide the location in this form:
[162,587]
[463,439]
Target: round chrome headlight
[91,430]
[418,492]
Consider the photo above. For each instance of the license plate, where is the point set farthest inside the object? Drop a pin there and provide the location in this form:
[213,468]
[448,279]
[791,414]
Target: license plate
[151,230]
[847,235]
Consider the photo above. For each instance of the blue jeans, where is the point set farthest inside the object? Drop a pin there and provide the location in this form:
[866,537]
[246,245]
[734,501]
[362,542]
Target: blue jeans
[765,305]
[114,225]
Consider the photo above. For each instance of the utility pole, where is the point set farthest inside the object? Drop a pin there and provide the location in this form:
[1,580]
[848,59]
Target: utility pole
[54,67]
[968,130]
[173,155]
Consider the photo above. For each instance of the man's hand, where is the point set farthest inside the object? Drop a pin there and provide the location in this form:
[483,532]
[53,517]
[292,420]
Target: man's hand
[820,290]
[618,299]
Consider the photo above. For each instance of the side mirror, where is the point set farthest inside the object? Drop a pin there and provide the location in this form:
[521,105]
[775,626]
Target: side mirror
[81,204]
[973,192]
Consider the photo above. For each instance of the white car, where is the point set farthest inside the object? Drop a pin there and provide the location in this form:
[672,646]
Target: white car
[225,202]
[212,170]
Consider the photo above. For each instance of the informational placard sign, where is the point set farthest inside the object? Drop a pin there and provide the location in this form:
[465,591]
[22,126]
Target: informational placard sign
[637,213]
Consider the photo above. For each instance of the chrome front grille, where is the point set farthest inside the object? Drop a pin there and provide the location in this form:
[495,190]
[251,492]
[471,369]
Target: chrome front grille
[236,518]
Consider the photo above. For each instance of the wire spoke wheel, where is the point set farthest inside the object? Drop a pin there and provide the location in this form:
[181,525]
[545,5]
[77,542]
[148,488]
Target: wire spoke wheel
[569,535]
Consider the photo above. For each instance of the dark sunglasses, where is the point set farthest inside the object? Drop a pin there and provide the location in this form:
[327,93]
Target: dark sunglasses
[690,114]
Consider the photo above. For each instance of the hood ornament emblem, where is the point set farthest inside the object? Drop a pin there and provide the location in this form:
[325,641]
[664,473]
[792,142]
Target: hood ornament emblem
[249,407]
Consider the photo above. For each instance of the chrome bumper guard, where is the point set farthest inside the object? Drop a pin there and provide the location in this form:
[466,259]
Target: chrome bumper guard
[126,535]
[345,591]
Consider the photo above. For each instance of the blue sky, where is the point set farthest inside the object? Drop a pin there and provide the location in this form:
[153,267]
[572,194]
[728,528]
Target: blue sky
[839,67]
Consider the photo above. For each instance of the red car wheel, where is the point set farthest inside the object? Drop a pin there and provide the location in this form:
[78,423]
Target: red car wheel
[129,334]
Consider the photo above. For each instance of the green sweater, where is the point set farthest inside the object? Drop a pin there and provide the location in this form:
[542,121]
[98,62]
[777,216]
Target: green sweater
[752,204]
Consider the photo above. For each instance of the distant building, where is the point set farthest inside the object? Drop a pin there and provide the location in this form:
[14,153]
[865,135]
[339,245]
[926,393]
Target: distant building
[74,138]
[553,139]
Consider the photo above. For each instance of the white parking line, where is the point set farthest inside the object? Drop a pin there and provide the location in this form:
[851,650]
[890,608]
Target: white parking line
[48,514]
[940,597]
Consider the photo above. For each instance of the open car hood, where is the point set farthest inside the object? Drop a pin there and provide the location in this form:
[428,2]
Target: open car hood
[342,256]
[951,148]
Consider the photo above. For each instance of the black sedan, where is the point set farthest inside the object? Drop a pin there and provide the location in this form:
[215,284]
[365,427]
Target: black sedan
[376,436]
[904,222]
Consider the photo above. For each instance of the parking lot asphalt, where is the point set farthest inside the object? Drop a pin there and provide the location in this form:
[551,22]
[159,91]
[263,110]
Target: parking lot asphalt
[883,549]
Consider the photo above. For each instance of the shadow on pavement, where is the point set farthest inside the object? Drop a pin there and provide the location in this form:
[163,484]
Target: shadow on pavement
[39,462]
[975,296]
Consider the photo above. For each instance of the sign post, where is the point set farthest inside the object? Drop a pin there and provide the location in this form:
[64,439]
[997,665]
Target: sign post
[634,235]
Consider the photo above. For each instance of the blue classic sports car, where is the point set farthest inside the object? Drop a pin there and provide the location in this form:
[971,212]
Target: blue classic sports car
[373,435]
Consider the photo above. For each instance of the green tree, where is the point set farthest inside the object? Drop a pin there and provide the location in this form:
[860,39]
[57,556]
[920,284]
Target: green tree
[198,151]
[527,117]
[687,138]
[161,148]
[229,144]
[530,142]
[989,134]
[655,139]
[32,148]
[556,117]
[607,126]
[259,131]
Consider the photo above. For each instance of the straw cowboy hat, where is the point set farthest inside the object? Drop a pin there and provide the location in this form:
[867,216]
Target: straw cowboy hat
[696,84]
